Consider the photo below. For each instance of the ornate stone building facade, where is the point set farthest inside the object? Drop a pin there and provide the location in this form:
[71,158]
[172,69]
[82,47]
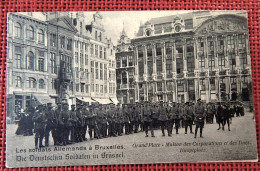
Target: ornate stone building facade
[199,54]
[58,56]
[125,70]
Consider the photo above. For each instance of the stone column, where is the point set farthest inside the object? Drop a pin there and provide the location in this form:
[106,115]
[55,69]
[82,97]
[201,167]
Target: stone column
[154,61]
[207,90]
[196,85]
[136,75]
[237,51]
[248,50]
[225,51]
[196,53]
[163,60]
[215,40]
[173,58]
[206,52]
[145,62]
[184,56]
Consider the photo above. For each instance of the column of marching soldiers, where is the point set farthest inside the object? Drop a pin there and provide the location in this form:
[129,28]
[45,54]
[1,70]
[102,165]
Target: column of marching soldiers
[102,121]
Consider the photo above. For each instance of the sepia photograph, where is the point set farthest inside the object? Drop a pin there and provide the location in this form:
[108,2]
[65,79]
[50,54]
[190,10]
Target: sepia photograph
[128,87]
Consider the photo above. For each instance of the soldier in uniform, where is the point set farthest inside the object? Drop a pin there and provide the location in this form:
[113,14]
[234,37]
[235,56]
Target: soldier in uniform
[188,117]
[109,114]
[177,117]
[136,118]
[85,124]
[73,120]
[56,129]
[163,117]
[199,117]
[79,124]
[210,113]
[95,122]
[64,124]
[49,115]
[147,117]
[104,121]
[126,119]
[120,120]
[90,121]
[131,119]
[114,121]
[155,115]
[39,126]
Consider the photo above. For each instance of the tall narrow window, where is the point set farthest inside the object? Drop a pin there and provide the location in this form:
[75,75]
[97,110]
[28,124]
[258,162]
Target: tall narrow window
[130,60]
[86,59]
[18,81]
[53,39]
[53,63]
[105,71]
[105,53]
[30,33]
[31,61]
[69,44]
[18,57]
[40,36]
[62,41]
[158,49]
[41,61]
[91,49]
[41,84]
[18,30]
[100,52]
[101,71]
[96,50]
[96,66]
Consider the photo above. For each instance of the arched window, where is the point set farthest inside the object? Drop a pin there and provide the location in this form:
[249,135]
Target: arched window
[18,81]
[18,30]
[30,33]
[30,61]
[31,82]
[40,36]
[41,84]
[124,78]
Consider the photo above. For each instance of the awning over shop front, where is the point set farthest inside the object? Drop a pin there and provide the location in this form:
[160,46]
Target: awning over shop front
[86,99]
[44,99]
[102,101]
[114,100]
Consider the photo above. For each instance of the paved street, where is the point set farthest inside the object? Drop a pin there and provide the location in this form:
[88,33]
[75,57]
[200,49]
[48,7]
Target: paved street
[239,143]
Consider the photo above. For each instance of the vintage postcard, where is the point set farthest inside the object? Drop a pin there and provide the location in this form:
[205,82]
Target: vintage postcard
[128,87]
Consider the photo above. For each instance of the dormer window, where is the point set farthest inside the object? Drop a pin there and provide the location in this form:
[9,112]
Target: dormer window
[148,32]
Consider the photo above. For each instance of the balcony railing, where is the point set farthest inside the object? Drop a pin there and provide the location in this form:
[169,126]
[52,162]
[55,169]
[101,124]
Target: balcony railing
[159,77]
[169,56]
[189,54]
[231,51]
[190,74]
[179,55]
[210,52]
[241,49]
[220,51]
[168,75]
[180,75]
[201,53]
[123,86]
[212,73]
[232,72]
[244,71]
[202,74]
[222,72]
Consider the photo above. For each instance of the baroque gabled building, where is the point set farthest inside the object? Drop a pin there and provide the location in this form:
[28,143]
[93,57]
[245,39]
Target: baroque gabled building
[199,54]
[125,70]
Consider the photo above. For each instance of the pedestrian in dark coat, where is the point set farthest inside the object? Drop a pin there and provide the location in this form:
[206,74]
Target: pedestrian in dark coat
[199,112]
[39,126]
[163,117]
